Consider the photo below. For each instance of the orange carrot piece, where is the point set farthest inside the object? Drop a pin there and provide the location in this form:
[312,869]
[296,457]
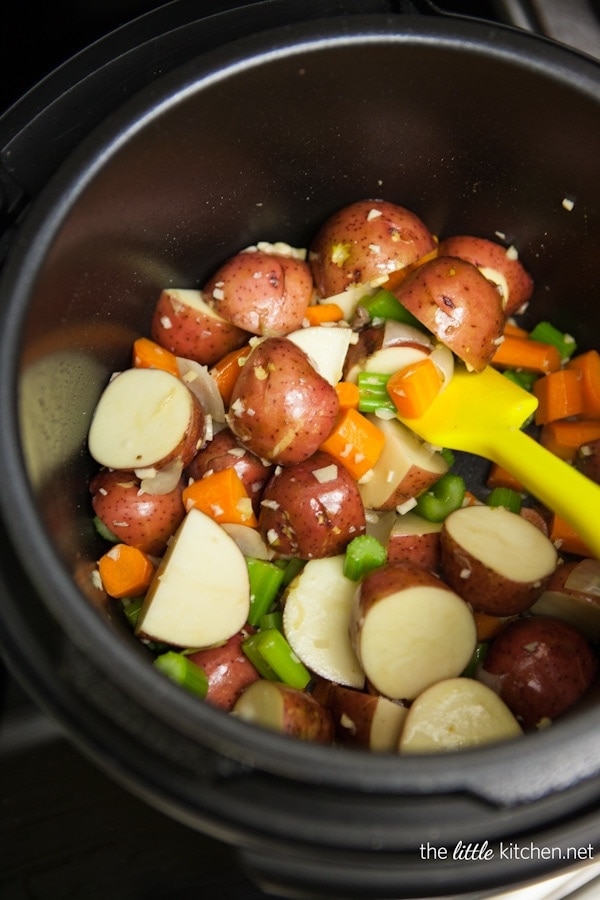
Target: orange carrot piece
[532,356]
[149,355]
[414,388]
[513,330]
[471,500]
[396,277]
[563,437]
[225,372]
[348,394]
[559,395]
[222,496]
[355,442]
[499,477]
[125,571]
[323,312]
[488,627]
[567,540]
[589,366]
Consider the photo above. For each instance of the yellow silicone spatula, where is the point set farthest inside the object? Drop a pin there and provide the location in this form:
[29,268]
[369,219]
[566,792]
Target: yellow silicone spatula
[482,413]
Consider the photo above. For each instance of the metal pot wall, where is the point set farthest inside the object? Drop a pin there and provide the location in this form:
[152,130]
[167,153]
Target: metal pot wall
[477,129]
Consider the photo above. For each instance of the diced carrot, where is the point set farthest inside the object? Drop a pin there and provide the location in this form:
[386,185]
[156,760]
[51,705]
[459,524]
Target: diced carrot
[559,395]
[396,277]
[470,499]
[225,372]
[355,442]
[564,436]
[148,354]
[125,571]
[414,388]
[222,496]
[567,540]
[499,477]
[488,627]
[515,330]
[348,394]
[589,366]
[319,313]
[521,353]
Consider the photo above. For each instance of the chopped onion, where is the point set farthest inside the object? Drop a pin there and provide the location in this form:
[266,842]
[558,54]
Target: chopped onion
[200,382]
[398,333]
[160,481]
[443,358]
[248,540]
[585,578]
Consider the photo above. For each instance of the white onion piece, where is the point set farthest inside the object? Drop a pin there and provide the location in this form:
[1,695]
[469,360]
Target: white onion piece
[443,358]
[160,481]
[200,382]
[248,540]
[395,333]
[348,299]
[585,578]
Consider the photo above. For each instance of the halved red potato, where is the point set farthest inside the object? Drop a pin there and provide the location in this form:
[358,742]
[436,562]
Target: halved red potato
[405,468]
[414,539]
[499,264]
[281,408]
[137,518]
[455,714]
[312,509]
[144,419]
[264,293]
[497,560]
[540,667]
[228,670]
[184,323]
[587,460]
[365,242]
[459,305]
[360,719]
[410,630]
[573,595]
[285,709]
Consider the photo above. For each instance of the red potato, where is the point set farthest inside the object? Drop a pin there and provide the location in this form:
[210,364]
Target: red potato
[311,510]
[184,323]
[281,408]
[144,419]
[262,293]
[405,468]
[573,595]
[286,710]
[540,667]
[362,720]
[385,349]
[499,264]
[410,630]
[365,242]
[459,305]
[135,517]
[225,452]
[495,559]
[228,670]
[587,460]
[414,539]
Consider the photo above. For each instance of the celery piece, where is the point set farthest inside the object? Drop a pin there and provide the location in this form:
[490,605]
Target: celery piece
[273,648]
[546,333]
[504,496]
[272,619]
[183,671]
[292,568]
[446,495]
[104,531]
[524,379]
[373,395]
[265,582]
[251,651]
[448,456]
[131,608]
[384,305]
[363,554]
[479,654]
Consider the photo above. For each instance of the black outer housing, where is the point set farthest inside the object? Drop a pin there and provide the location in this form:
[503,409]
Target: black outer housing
[476,128]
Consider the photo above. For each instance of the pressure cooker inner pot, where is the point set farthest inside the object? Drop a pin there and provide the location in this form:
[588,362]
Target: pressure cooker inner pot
[478,132]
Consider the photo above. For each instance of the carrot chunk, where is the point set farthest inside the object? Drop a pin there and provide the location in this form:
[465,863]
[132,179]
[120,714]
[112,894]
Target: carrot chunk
[588,364]
[512,330]
[414,388]
[355,442]
[499,477]
[148,354]
[563,437]
[222,496]
[125,571]
[225,372]
[521,353]
[319,313]
[559,395]
[348,394]
[567,540]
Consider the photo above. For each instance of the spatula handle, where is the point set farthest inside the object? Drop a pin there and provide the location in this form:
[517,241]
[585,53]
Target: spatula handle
[555,483]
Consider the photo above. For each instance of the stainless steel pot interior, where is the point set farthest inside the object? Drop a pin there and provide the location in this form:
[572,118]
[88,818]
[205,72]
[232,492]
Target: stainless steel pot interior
[475,128]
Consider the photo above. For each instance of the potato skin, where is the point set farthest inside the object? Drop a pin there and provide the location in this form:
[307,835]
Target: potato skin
[228,670]
[459,305]
[540,667]
[364,241]
[587,460]
[262,293]
[281,408]
[303,517]
[145,521]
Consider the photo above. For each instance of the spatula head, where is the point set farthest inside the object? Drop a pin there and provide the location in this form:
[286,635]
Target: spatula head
[473,411]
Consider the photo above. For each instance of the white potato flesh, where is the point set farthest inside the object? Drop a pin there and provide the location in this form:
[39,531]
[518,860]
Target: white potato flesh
[326,346]
[455,714]
[316,617]
[575,609]
[386,725]
[413,638]
[262,703]
[200,594]
[141,418]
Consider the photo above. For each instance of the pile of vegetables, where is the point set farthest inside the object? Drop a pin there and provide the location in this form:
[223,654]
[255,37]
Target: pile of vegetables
[290,551]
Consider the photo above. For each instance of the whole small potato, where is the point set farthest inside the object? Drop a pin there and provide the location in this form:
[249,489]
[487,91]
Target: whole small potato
[459,305]
[263,293]
[499,264]
[142,520]
[228,670]
[540,667]
[364,242]
[281,408]
[587,460]
[311,510]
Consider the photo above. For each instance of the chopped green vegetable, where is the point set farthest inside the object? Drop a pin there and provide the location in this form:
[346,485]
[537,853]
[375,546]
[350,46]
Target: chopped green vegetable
[291,568]
[504,496]
[104,532]
[363,554]
[384,305]
[373,395]
[479,654]
[546,333]
[271,620]
[265,581]
[446,495]
[131,608]
[448,456]
[183,671]
[273,657]
[524,379]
